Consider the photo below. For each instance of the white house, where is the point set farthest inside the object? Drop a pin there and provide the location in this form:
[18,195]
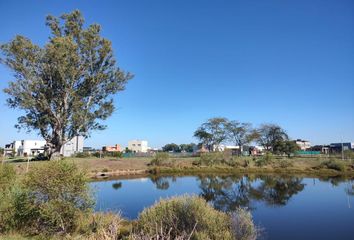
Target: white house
[303,144]
[75,145]
[34,147]
[138,146]
[25,147]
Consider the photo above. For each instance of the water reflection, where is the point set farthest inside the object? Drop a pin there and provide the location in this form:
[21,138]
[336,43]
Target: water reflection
[228,193]
[117,185]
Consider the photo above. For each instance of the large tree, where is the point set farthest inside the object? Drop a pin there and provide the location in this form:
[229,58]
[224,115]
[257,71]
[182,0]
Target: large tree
[269,136]
[171,147]
[212,133]
[239,133]
[65,87]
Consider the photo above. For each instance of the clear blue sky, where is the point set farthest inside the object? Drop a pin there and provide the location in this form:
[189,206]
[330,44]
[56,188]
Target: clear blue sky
[281,61]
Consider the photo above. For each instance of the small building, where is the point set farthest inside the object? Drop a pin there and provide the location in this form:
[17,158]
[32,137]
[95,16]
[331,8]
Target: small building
[75,145]
[138,146]
[303,144]
[323,149]
[24,148]
[115,148]
[337,147]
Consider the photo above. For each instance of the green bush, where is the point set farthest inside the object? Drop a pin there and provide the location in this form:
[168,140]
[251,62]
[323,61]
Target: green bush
[264,160]
[284,163]
[113,154]
[180,217]
[47,201]
[219,158]
[349,154]
[97,226]
[242,226]
[82,155]
[160,159]
[7,176]
[334,164]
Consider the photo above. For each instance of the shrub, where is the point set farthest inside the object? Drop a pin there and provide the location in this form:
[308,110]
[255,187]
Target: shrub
[98,226]
[334,164]
[160,159]
[266,159]
[242,226]
[113,154]
[210,159]
[180,217]
[97,154]
[82,155]
[52,197]
[7,176]
[285,163]
[349,154]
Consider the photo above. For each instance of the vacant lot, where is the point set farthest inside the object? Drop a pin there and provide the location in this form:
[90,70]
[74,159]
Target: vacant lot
[103,167]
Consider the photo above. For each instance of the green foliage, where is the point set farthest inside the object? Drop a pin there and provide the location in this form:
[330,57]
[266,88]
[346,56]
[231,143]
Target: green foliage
[171,147]
[239,133]
[187,147]
[348,154]
[285,147]
[113,154]
[98,226]
[242,226]
[264,160]
[7,176]
[284,163]
[82,155]
[73,77]
[160,159]
[183,216]
[269,135]
[337,165]
[108,154]
[216,158]
[48,200]
[212,132]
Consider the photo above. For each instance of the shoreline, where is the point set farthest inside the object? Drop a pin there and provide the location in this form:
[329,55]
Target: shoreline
[200,171]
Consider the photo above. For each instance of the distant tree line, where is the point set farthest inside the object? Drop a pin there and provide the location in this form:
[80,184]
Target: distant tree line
[172,147]
[271,137]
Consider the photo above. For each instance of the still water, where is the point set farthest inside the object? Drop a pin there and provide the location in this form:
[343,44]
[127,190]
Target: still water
[284,207]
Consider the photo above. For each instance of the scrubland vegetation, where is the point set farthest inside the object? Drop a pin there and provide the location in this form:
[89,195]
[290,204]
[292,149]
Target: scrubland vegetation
[226,162]
[53,201]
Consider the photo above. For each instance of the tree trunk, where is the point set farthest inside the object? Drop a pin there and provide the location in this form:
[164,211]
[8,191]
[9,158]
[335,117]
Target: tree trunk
[54,152]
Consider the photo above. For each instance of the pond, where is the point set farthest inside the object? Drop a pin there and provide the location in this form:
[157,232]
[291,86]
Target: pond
[284,207]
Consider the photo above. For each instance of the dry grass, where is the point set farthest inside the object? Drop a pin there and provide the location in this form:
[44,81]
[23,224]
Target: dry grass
[114,167]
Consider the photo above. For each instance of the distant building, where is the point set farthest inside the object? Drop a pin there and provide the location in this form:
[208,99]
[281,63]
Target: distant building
[75,145]
[26,148]
[303,144]
[138,146]
[115,148]
[337,147]
[324,149]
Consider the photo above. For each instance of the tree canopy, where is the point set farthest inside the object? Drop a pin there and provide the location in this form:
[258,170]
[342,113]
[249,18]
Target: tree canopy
[269,136]
[212,133]
[65,87]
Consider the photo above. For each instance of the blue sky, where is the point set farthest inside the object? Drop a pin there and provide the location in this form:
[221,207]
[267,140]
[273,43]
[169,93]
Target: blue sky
[278,61]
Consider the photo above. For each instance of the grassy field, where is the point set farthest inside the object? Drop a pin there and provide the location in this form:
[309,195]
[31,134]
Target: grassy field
[110,167]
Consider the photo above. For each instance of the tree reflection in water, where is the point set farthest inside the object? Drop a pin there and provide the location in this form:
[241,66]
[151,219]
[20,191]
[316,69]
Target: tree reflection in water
[231,192]
[162,183]
[227,193]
